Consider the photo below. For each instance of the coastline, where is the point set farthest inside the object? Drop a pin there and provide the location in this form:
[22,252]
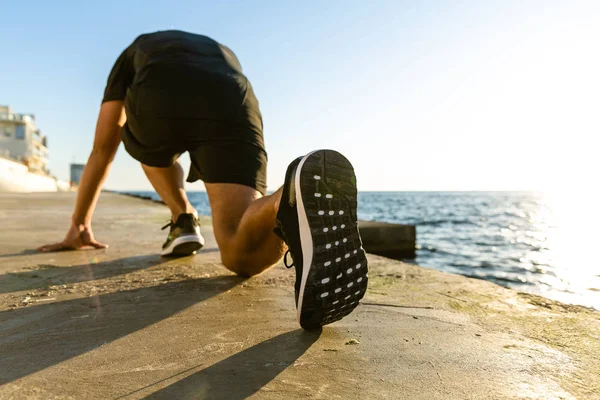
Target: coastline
[430,257]
[189,323]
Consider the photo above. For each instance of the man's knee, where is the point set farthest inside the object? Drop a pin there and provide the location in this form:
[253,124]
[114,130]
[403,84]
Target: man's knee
[238,263]
[246,263]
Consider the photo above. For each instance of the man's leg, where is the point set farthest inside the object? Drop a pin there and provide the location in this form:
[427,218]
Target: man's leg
[168,183]
[243,222]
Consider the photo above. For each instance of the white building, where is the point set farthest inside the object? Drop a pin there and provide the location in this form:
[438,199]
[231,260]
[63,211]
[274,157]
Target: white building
[21,140]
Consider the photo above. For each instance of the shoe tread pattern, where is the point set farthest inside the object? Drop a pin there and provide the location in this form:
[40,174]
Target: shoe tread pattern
[338,275]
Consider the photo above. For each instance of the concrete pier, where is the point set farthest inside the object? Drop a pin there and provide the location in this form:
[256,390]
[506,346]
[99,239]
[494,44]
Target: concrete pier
[123,323]
[389,240]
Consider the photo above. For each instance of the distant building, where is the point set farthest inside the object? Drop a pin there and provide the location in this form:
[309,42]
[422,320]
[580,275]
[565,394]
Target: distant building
[76,171]
[21,140]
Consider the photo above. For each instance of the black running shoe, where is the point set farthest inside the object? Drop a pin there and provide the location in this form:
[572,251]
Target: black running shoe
[317,219]
[184,238]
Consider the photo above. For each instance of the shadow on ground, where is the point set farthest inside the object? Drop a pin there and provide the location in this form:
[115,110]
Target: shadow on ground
[45,275]
[244,373]
[26,252]
[40,336]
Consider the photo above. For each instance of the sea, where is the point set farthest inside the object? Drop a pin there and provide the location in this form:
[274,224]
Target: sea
[532,242]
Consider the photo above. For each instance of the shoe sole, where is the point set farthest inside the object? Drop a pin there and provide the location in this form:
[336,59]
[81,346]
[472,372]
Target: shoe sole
[182,246]
[334,271]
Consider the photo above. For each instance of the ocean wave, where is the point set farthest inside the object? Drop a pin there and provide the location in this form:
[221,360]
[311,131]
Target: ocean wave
[462,265]
[502,280]
[530,245]
[431,249]
[439,222]
[491,242]
[487,264]
[509,215]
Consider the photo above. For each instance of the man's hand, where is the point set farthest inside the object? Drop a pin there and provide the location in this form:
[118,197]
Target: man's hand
[106,141]
[78,237]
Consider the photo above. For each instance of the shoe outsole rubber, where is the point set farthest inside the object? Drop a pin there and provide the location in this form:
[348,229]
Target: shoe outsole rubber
[186,248]
[337,273]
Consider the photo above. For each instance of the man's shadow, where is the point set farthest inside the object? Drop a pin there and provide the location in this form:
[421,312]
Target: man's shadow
[40,336]
[26,252]
[244,373]
[46,275]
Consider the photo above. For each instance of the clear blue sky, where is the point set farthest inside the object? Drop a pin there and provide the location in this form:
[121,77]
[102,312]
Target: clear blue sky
[420,95]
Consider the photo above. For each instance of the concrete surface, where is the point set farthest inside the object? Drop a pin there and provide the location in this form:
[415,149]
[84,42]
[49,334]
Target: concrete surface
[389,240]
[123,323]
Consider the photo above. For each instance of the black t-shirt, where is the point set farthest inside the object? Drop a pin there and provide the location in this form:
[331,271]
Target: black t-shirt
[164,48]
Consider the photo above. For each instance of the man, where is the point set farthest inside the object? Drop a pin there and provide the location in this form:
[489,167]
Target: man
[171,92]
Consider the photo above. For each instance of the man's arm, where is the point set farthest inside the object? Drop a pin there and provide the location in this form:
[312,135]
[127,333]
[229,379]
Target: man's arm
[106,142]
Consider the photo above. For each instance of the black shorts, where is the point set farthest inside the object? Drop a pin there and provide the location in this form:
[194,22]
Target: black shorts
[214,117]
